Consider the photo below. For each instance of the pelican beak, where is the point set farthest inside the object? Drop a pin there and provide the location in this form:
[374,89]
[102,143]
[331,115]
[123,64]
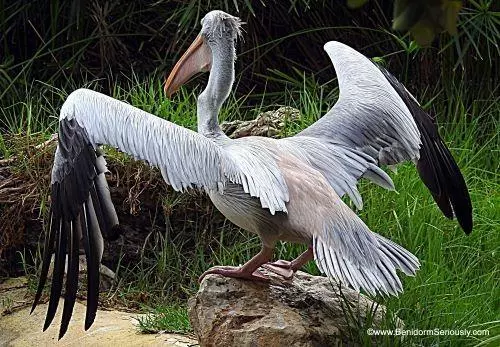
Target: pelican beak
[198,58]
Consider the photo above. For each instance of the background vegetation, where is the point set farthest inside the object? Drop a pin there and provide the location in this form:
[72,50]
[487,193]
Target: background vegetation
[124,49]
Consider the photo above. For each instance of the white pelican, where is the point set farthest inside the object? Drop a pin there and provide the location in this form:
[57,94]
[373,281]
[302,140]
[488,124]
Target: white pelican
[288,189]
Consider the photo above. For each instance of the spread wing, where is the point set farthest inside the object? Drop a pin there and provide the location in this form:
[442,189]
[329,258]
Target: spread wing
[81,206]
[376,116]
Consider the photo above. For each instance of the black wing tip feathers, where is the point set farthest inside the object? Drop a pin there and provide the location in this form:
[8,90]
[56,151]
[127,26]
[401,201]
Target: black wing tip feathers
[72,190]
[436,166]
[89,321]
[61,335]
[72,272]
[466,223]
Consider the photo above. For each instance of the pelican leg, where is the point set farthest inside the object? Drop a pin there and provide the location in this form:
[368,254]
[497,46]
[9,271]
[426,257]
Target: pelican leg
[249,270]
[288,268]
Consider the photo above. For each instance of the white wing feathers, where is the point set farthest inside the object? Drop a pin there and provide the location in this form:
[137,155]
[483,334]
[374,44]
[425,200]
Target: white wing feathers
[370,125]
[186,159]
[347,250]
[81,206]
[259,175]
[376,115]
[369,115]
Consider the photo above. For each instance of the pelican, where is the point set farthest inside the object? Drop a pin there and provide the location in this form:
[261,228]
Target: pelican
[281,189]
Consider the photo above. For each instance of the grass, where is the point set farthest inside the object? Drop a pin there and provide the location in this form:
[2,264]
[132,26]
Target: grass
[171,318]
[458,285]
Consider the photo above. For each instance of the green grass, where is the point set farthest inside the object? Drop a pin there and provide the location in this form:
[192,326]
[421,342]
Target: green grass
[170,318]
[458,285]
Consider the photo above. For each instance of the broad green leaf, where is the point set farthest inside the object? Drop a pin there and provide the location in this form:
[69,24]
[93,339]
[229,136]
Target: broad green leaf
[410,15]
[451,9]
[423,32]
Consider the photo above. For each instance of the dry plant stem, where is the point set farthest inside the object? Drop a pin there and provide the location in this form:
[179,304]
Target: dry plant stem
[5,162]
[53,138]
[21,178]
[8,161]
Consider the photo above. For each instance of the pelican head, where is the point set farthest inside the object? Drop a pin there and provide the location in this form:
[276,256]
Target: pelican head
[215,42]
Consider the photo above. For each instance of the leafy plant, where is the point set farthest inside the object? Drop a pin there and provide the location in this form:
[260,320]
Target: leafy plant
[479,32]
[424,19]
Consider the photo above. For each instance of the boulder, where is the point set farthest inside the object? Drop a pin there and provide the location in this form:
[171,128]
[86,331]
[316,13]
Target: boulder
[267,124]
[305,311]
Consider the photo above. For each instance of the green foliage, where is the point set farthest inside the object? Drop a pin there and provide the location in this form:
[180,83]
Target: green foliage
[479,33]
[66,44]
[426,19]
[171,318]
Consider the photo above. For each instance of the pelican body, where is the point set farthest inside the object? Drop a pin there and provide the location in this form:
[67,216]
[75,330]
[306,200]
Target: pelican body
[281,189]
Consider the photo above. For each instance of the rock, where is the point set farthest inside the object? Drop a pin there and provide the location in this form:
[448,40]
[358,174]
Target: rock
[305,311]
[268,124]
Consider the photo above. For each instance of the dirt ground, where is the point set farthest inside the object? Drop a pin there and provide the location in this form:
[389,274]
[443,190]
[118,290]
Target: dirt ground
[19,328]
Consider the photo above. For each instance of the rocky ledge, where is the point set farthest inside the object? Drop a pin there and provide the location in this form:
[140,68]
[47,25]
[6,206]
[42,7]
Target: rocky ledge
[305,311]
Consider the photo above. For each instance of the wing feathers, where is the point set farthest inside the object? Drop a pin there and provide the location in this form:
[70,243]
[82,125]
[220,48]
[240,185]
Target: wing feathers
[342,166]
[400,257]
[375,114]
[47,254]
[348,251]
[436,166]
[72,274]
[91,241]
[80,207]
[110,218]
[144,136]
[58,273]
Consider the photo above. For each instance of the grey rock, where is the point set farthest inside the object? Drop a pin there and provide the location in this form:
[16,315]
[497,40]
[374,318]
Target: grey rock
[268,124]
[305,311]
